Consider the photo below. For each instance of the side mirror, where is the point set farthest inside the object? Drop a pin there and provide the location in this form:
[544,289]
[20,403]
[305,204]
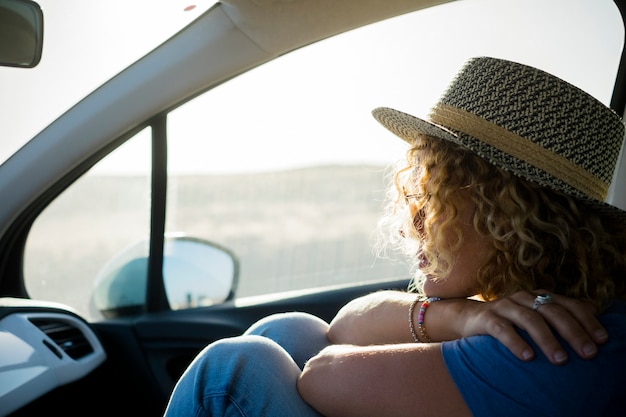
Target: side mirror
[21,33]
[196,273]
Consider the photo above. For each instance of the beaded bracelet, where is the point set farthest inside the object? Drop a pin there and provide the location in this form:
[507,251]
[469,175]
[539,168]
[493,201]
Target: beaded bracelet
[420,318]
[411,326]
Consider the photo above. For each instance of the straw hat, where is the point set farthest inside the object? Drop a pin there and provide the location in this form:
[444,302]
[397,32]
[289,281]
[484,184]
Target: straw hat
[527,122]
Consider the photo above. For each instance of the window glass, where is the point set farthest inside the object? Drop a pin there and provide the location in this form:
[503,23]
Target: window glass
[90,225]
[285,166]
[81,33]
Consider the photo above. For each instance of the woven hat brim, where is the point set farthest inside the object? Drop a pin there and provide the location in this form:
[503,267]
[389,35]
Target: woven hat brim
[409,128]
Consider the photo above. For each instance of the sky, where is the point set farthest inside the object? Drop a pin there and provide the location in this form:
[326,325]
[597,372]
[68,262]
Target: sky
[76,59]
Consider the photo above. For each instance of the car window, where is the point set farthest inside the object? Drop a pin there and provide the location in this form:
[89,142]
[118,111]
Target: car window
[85,44]
[89,226]
[285,167]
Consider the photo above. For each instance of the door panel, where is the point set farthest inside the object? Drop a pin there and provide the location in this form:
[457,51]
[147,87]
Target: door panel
[154,349]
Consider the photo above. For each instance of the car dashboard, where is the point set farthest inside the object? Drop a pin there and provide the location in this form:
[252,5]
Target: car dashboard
[42,346]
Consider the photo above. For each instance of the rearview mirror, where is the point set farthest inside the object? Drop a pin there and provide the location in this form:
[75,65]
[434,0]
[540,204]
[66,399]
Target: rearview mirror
[21,33]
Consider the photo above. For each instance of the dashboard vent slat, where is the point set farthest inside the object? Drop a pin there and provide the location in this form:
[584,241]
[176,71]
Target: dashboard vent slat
[68,337]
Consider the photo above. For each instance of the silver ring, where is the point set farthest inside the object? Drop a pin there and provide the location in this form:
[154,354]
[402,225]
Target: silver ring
[542,299]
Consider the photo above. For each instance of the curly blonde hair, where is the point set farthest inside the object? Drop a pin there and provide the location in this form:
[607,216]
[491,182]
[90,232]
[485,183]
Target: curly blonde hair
[537,238]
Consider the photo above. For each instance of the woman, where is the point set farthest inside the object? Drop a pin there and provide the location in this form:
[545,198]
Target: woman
[500,204]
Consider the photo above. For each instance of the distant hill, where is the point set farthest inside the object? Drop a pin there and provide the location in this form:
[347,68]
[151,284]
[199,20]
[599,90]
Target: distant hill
[290,229]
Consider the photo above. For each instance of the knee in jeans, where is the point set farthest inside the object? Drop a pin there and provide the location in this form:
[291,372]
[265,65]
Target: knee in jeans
[277,326]
[232,353]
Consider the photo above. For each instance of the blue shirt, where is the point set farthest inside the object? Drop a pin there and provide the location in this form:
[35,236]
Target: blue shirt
[493,382]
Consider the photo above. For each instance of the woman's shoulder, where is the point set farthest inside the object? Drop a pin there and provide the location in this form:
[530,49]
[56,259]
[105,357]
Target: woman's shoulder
[616,307]
[489,375]
[614,320]
[614,316]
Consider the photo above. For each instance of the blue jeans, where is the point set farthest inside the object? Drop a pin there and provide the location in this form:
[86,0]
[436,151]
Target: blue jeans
[252,375]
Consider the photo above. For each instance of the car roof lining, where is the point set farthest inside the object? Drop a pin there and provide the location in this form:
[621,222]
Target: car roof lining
[294,24]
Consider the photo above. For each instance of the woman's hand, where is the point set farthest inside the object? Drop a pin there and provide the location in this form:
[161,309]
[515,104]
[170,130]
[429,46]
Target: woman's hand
[575,321]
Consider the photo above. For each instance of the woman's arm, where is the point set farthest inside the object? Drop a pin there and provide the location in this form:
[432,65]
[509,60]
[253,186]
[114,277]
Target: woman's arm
[382,318]
[383,380]
[376,318]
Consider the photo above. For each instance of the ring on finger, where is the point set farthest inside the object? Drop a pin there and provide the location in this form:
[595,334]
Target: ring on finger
[542,299]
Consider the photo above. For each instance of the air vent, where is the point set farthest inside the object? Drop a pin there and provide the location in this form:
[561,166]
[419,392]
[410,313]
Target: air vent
[69,338]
